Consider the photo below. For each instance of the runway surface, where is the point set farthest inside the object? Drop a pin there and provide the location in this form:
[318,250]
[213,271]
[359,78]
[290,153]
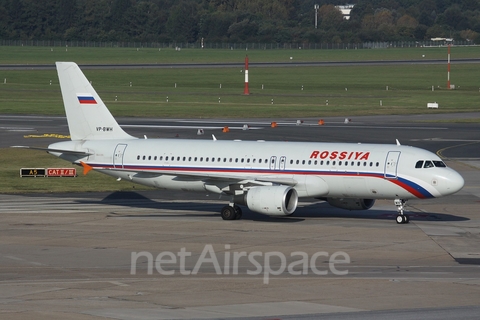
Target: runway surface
[69,256]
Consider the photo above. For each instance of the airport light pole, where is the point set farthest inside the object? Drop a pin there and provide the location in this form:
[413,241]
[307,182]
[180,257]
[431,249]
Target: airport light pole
[316,6]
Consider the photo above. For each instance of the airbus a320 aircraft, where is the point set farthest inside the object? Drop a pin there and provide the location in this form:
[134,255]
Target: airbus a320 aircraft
[267,177]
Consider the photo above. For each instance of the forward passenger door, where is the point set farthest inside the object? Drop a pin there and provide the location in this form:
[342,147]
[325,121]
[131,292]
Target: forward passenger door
[391,164]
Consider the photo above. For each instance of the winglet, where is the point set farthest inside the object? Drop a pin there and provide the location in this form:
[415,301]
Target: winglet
[86,168]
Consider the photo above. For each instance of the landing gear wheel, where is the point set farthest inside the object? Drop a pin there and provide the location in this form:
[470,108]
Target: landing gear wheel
[228,213]
[400,219]
[238,212]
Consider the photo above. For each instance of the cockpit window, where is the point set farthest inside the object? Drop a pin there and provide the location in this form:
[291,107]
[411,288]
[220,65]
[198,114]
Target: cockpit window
[439,164]
[428,164]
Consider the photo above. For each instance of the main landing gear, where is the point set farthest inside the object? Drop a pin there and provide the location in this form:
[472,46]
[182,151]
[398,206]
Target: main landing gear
[401,217]
[231,212]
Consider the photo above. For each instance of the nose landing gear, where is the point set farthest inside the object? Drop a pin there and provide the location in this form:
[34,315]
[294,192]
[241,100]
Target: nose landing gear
[401,217]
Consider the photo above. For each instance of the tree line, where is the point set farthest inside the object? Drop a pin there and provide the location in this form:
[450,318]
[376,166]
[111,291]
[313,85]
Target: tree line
[239,21]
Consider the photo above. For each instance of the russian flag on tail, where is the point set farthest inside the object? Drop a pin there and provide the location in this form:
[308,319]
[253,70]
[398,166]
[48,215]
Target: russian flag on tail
[86,99]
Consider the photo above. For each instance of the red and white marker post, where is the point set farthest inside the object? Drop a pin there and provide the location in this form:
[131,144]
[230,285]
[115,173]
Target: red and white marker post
[245,90]
[448,68]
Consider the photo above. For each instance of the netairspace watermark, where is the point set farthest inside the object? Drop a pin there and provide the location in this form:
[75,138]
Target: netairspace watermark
[268,264]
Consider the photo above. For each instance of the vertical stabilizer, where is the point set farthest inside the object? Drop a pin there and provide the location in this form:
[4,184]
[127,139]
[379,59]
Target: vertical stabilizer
[87,116]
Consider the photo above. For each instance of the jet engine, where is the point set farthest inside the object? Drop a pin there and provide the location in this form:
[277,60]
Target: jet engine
[272,200]
[351,204]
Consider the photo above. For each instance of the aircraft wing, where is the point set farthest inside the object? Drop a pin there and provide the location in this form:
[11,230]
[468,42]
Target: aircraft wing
[221,178]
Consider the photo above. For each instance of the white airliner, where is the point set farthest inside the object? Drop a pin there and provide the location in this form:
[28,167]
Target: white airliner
[267,177]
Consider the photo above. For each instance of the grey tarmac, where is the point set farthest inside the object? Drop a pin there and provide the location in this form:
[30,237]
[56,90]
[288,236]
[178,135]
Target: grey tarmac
[69,256]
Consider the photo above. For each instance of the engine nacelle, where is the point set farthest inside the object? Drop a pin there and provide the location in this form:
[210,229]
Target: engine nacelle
[272,200]
[351,204]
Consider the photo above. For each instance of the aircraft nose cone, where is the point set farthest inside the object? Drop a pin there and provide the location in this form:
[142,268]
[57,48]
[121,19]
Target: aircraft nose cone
[451,183]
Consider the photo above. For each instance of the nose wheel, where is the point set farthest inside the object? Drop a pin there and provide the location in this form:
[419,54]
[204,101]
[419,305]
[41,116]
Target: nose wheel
[401,217]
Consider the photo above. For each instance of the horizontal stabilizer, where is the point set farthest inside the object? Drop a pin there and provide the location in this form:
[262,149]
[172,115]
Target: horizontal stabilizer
[78,153]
